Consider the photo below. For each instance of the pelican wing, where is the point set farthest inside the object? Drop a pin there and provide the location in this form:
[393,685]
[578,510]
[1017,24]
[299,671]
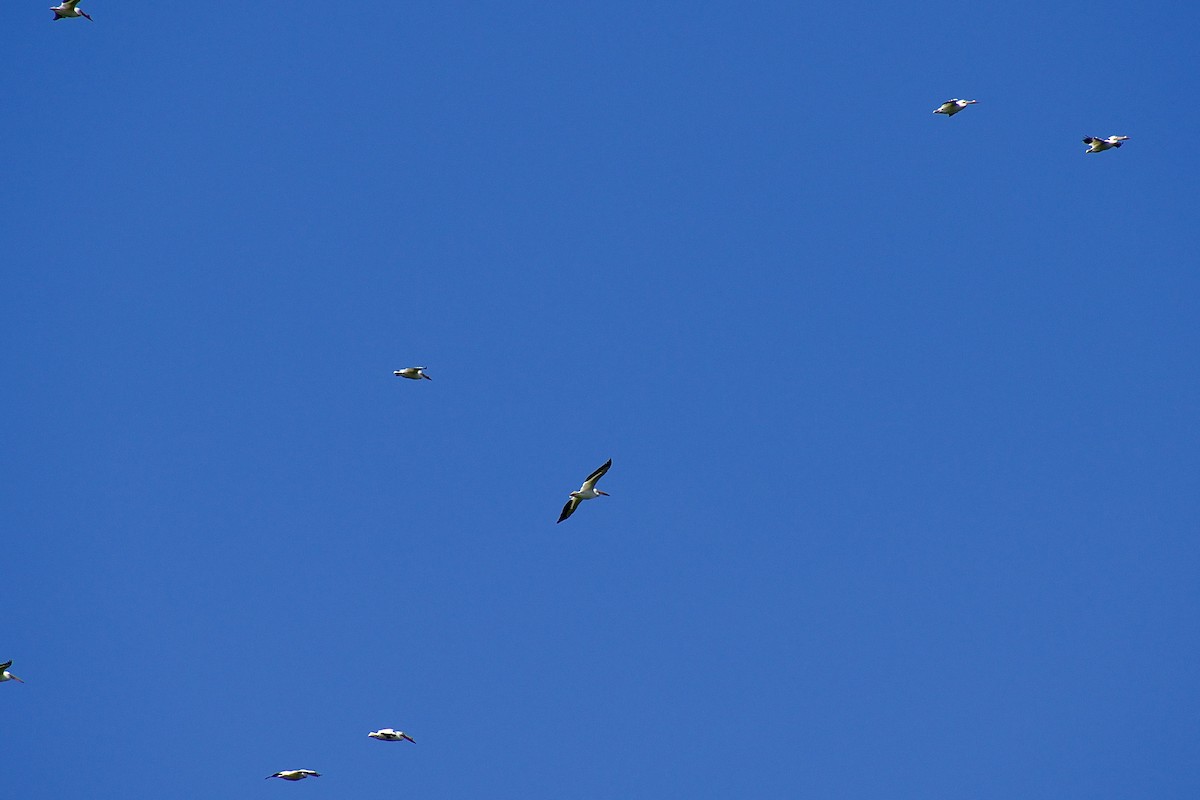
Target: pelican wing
[5,665]
[69,5]
[569,509]
[597,475]
[1090,139]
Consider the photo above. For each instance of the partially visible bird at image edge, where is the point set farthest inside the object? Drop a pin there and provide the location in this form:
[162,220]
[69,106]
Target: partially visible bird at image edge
[67,10]
[5,675]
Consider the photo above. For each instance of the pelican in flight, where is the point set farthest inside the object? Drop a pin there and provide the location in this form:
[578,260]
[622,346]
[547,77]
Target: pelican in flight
[953,106]
[295,774]
[1097,145]
[5,675]
[67,9]
[586,492]
[412,373]
[391,735]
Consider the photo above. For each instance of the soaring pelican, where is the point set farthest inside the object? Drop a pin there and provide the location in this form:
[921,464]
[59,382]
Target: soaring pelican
[390,735]
[66,9]
[1096,145]
[413,373]
[953,106]
[586,492]
[5,675]
[295,774]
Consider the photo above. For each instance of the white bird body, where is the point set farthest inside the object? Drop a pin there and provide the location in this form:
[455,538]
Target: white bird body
[390,735]
[953,106]
[412,373]
[1096,145]
[5,675]
[295,774]
[68,9]
[586,492]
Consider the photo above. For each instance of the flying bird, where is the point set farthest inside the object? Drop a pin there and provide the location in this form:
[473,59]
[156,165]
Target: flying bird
[586,492]
[953,106]
[295,774]
[412,373]
[1096,145]
[67,9]
[390,735]
[5,675]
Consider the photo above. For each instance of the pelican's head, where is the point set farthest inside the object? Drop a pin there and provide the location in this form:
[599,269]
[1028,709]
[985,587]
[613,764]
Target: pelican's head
[85,15]
[606,494]
[11,677]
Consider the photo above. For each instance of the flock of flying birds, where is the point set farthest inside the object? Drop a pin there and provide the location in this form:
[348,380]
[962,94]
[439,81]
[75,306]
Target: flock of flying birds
[383,735]
[69,9]
[586,492]
[1095,143]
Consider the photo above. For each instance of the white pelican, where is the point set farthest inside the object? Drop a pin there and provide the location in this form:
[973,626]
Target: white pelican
[390,735]
[295,774]
[412,373]
[5,675]
[66,9]
[953,106]
[586,492]
[1096,145]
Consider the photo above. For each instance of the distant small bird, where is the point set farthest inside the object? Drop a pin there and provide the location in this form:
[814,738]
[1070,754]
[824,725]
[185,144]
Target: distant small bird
[5,675]
[412,373]
[67,9]
[1096,145]
[390,735]
[295,774]
[953,106]
[586,492]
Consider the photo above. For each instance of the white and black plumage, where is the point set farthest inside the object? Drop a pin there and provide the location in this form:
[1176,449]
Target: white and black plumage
[412,373]
[586,492]
[1097,145]
[5,675]
[391,735]
[67,9]
[953,106]
[295,774]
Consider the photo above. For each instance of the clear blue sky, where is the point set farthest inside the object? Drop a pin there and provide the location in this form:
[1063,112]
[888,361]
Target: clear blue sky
[902,409]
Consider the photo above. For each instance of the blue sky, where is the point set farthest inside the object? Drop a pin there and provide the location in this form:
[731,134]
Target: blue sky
[902,409]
